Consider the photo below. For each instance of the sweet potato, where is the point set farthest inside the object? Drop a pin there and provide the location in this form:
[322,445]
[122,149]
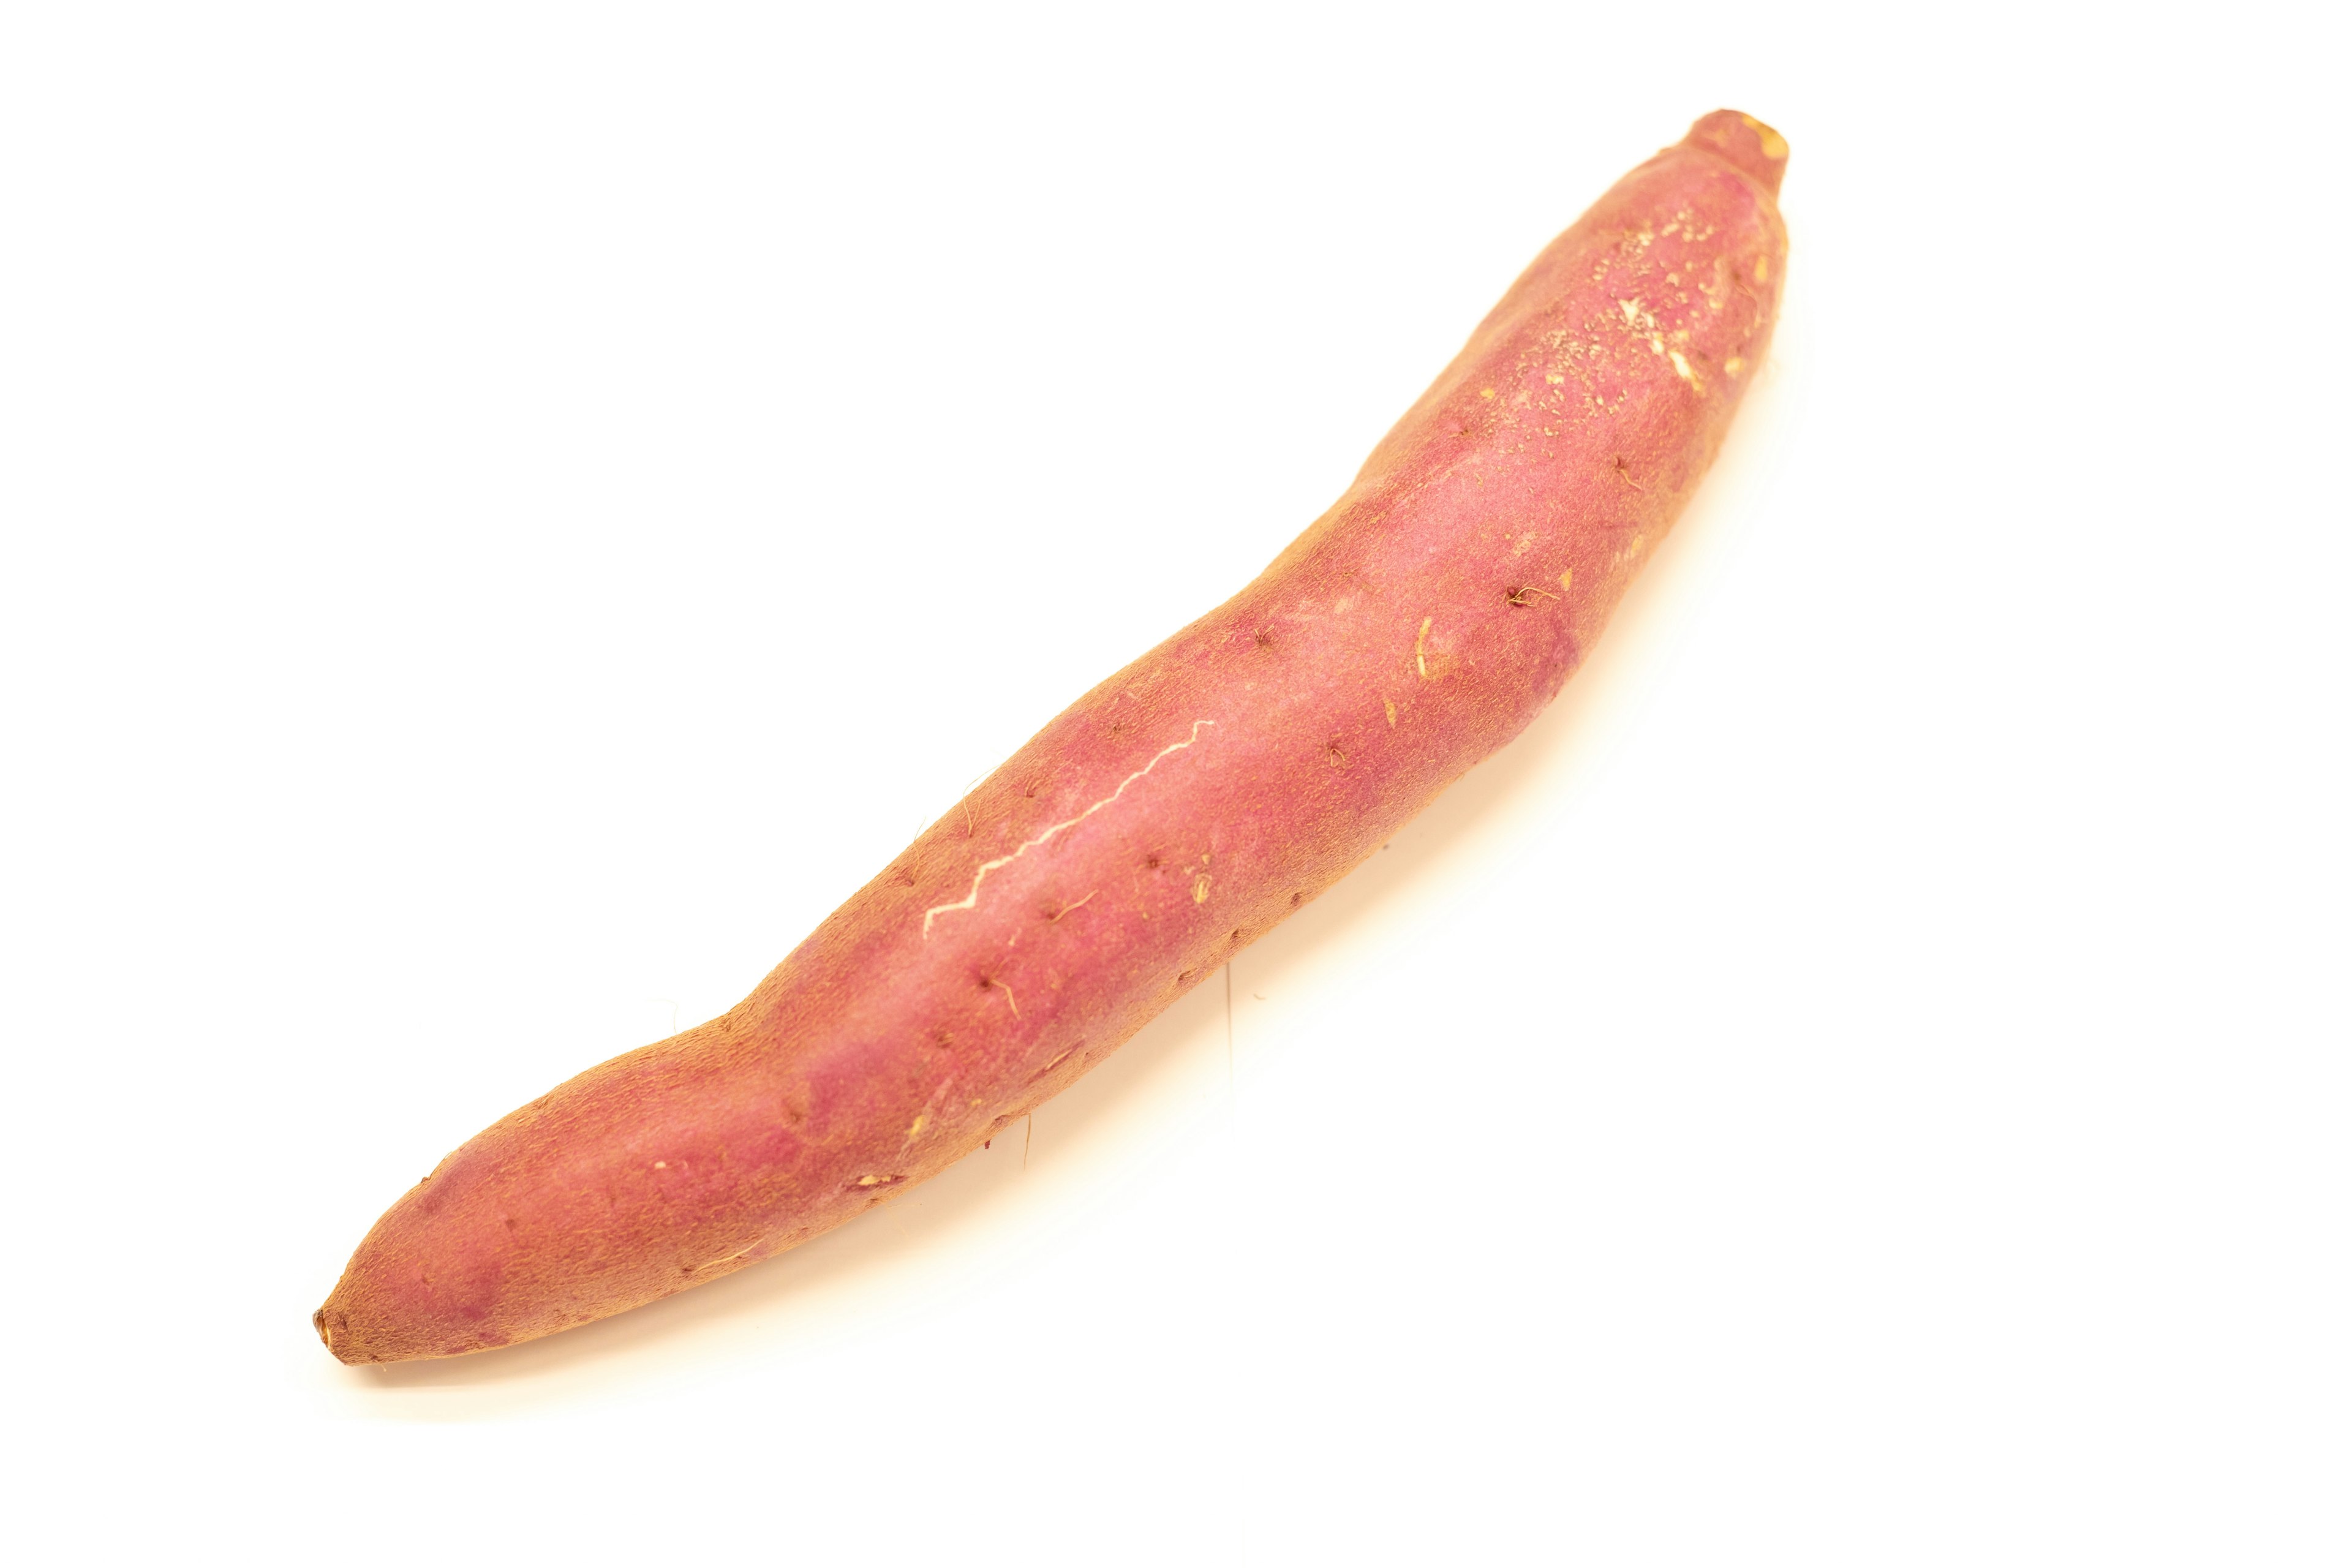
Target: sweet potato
[1168,818]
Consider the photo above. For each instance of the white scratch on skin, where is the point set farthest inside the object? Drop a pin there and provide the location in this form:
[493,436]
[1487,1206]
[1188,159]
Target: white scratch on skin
[715,1262]
[1419,648]
[971,898]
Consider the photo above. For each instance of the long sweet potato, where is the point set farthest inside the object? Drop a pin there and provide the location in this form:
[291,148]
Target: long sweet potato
[1171,815]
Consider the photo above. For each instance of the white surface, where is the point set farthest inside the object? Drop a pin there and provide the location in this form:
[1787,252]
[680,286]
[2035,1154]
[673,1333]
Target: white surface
[511,514]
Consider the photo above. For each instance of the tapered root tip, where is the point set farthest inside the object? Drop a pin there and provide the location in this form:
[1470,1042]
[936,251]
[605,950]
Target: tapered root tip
[334,1330]
[1744,141]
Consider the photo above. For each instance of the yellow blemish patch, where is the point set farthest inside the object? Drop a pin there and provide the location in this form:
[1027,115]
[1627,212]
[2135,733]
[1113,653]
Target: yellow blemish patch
[661,1164]
[1683,369]
[1391,708]
[1763,268]
[1568,579]
[1200,890]
[1486,392]
[1632,308]
[920,1118]
[1553,378]
[1657,344]
[1774,145]
[1421,648]
[1734,366]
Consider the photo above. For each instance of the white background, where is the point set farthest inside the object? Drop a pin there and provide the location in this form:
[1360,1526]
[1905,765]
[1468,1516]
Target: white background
[512,513]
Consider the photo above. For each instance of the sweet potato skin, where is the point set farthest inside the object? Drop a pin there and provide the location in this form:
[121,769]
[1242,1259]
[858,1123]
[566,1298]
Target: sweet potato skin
[1167,819]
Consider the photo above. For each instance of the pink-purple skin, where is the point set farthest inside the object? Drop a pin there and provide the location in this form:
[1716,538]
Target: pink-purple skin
[1167,819]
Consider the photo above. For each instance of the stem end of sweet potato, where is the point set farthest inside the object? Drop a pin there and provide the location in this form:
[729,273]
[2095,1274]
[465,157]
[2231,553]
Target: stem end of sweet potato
[1746,142]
